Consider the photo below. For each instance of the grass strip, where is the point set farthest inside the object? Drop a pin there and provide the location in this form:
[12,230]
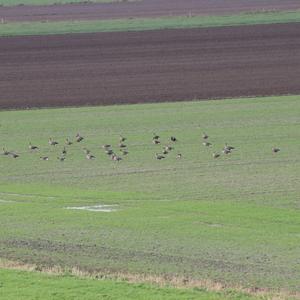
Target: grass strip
[138,24]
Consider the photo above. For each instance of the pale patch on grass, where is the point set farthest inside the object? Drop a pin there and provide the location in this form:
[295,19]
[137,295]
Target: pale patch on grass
[175,281]
[96,208]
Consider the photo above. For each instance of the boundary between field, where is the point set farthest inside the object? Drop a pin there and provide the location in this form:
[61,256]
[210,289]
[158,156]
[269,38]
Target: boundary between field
[142,24]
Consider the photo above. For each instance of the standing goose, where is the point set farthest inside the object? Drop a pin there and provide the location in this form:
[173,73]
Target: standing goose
[179,155]
[275,150]
[52,143]
[226,151]
[228,147]
[173,139]
[79,138]
[156,142]
[32,147]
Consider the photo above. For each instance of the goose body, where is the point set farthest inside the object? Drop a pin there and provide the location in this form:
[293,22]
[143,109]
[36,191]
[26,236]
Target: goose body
[32,147]
[5,152]
[216,155]
[207,144]
[204,136]
[79,138]
[52,143]
[44,158]
[275,150]
[173,139]
[68,142]
[156,142]
[90,156]
[158,156]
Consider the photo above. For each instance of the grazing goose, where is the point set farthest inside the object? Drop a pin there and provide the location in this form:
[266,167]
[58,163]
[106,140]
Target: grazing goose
[109,152]
[32,147]
[226,151]
[106,146]
[216,155]
[115,157]
[158,156]
[44,158]
[90,156]
[275,150]
[64,151]
[52,143]
[173,139]
[155,136]
[79,138]
[68,142]
[207,144]
[204,136]
[168,148]
[5,152]
[179,155]
[228,147]
[62,158]
[165,152]
[121,145]
[156,142]
[14,155]
[122,139]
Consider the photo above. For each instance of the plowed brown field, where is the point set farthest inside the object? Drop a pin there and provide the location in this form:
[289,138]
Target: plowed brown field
[146,8]
[149,66]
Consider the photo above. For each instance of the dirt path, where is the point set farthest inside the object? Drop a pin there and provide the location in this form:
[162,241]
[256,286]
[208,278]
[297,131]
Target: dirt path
[134,67]
[146,8]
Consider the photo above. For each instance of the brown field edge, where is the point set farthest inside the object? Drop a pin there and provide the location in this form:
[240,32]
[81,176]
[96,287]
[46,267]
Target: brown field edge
[149,66]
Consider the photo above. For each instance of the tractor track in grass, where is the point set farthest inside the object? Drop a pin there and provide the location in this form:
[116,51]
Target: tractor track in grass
[150,66]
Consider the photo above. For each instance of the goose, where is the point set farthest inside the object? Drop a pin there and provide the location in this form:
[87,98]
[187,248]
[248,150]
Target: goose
[109,152]
[173,139]
[216,155]
[79,138]
[68,142]
[64,151]
[158,156]
[44,157]
[275,150]
[179,155]
[228,147]
[106,146]
[5,152]
[122,139]
[62,158]
[226,151]
[168,148]
[165,152]
[32,147]
[207,144]
[204,136]
[155,136]
[14,155]
[156,142]
[117,158]
[90,156]
[121,145]
[52,143]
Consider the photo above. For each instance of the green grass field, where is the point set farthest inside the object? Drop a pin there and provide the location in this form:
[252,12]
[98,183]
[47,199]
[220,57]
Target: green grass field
[27,286]
[50,2]
[62,27]
[233,220]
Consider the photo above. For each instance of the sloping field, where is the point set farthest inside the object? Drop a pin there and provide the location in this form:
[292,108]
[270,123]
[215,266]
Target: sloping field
[132,67]
[232,219]
[127,9]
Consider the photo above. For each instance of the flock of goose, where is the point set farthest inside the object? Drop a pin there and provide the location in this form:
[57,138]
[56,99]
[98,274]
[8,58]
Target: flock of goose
[123,149]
